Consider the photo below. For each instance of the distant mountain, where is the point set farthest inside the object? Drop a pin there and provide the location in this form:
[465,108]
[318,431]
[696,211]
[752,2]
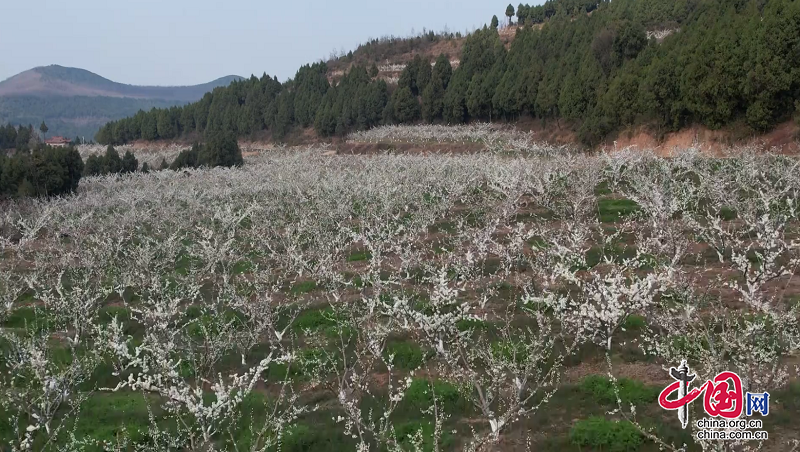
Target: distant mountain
[77,102]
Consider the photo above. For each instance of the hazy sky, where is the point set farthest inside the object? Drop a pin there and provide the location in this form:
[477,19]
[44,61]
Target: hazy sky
[184,42]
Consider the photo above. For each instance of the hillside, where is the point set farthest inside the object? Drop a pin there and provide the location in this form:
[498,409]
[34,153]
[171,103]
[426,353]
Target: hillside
[77,102]
[593,66]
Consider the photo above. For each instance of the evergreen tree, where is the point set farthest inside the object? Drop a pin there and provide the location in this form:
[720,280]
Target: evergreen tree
[406,107]
[220,150]
[93,166]
[46,171]
[423,75]
[454,110]
[442,70]
[522,14]
[112,164]
[509,12]
[149,126]
[433,100]
[165,128]
[129,163]
[495,22]
[630,40]
[731,61]
[43,128]
[187,158]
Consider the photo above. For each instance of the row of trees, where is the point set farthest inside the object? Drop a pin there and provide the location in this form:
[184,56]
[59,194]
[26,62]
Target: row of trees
[538,14]
[221,150]
[61,113]
[49,171]
[45,171]
[111,163]
[21,138]
[724,62]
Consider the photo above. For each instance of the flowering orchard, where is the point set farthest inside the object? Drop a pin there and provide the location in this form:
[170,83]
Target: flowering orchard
[396,302]
[493,137]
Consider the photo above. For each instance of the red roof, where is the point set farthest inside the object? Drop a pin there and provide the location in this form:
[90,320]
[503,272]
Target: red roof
[57,140]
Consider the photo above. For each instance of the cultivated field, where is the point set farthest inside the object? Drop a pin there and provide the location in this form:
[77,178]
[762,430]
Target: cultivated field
[489,301]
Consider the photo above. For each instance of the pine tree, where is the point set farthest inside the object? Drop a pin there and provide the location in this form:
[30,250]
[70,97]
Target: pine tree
[220,150]
[406,107]
[129,163]
[149,126]
[112,164]
[433,100]
[442,70]
[93,166]
[454,110]
[423,76]
[509,12]
[43,128]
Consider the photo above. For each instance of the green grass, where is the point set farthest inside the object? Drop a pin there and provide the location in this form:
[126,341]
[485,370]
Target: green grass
[242,266]
[602,189]
[446,227]
[613,210]
[314,437]
[634,323]
[604,435]
[29,318]
[785,405]
[315,319]
[407,355]
[302,287]
[727,214]
[359,256]
[509,350]
[104,416]
[473,324]
[791,301]
[616,252]
[537,242]
[405,433]
[600,389]
[419,396]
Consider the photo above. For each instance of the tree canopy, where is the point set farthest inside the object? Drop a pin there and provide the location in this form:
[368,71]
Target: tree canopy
[602,65]
[45,171]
